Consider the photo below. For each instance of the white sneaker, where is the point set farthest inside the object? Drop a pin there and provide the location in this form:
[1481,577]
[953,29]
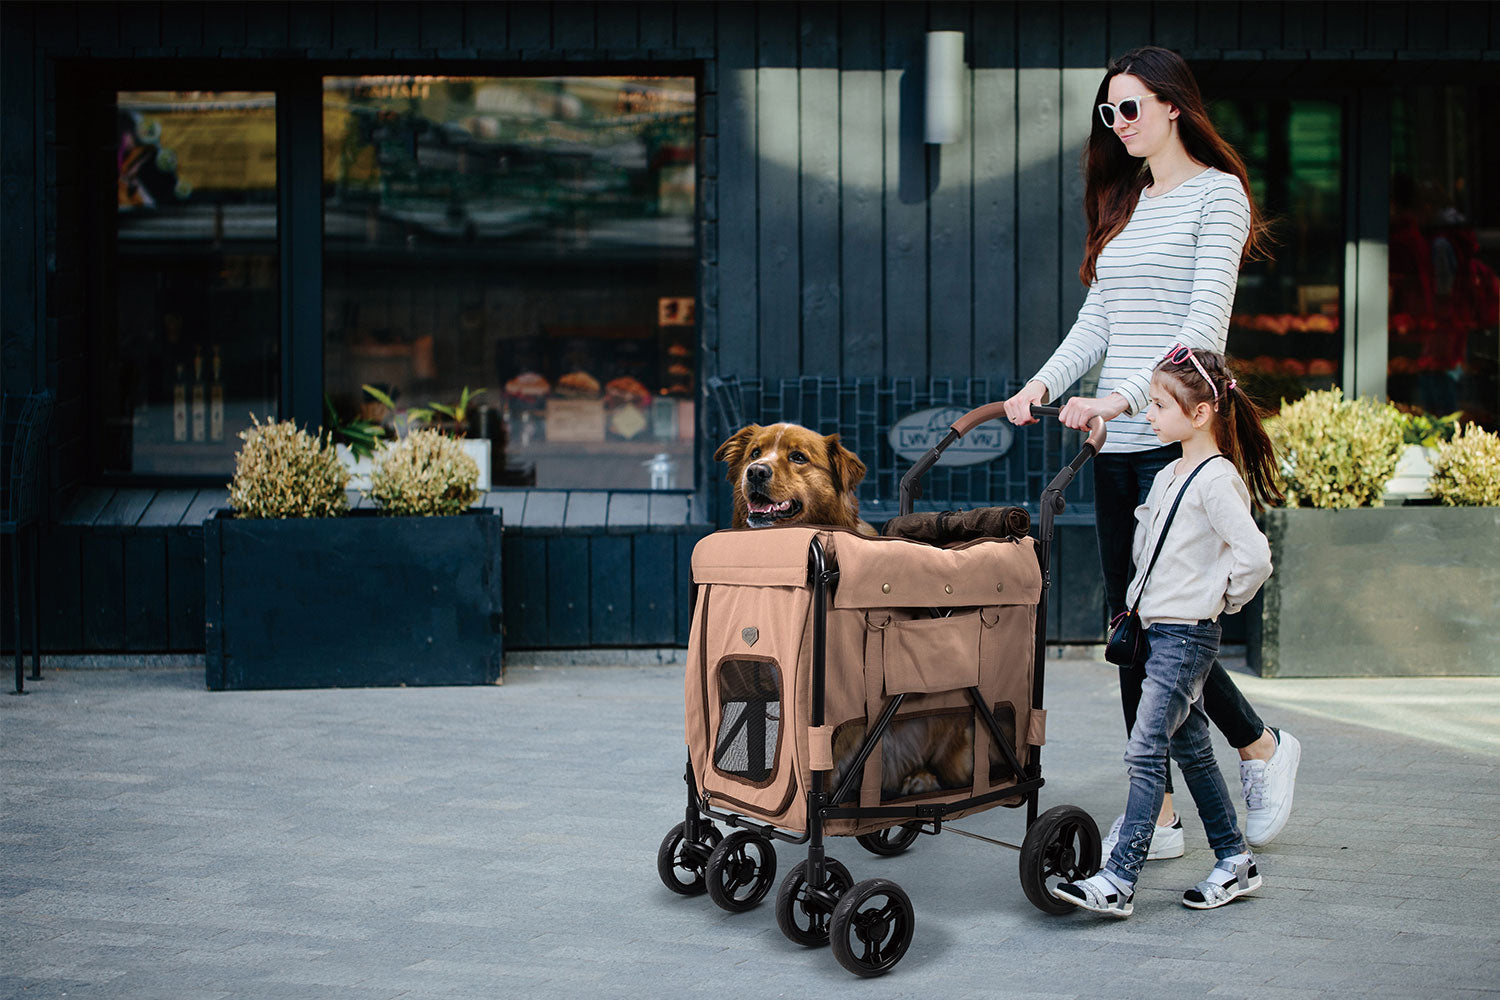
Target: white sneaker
[1166,841]
[1230,879]
[1268,788]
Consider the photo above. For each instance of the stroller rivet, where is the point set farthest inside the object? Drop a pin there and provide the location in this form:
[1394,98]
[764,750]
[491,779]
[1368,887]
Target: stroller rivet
[1000,588]
[885,588]
[947,588]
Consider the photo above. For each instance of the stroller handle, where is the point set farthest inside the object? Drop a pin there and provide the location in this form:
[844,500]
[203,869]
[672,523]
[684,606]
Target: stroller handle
[911,482]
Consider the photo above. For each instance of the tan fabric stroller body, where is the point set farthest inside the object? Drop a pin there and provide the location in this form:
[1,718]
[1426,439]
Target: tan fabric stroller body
[843,685]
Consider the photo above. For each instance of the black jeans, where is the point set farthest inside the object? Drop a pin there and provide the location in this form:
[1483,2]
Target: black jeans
[1121,482]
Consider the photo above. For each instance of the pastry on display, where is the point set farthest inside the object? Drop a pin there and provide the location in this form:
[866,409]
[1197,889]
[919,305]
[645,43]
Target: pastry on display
[527,385]
[623,390]
[578,385]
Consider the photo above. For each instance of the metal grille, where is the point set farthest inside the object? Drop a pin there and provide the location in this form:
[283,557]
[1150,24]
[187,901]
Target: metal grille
[750,699]
[862,410]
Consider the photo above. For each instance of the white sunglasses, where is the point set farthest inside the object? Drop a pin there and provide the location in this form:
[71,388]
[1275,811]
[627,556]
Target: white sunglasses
[1128,110]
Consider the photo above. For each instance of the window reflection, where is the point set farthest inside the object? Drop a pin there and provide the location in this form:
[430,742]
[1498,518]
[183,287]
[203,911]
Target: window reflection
[1285,333]
[195,346]
[1444,253]
[532,238]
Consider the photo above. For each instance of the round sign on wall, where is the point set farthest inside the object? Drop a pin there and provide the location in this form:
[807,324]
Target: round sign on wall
[915,434]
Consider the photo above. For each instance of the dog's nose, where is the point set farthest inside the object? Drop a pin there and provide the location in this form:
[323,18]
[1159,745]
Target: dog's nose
[758,475]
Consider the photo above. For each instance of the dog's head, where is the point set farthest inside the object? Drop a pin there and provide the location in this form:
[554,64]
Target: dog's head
[786,472]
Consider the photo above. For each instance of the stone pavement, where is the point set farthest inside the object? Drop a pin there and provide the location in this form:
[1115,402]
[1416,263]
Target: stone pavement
[161,841]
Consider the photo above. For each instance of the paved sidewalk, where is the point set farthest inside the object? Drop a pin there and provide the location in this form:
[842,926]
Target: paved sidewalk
[161,841]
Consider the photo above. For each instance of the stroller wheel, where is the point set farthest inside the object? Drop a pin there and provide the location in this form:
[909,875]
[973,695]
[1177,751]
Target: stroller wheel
[1061,846]
[680,862]
[803,917]
[872,927]
[741,871]
[892,840]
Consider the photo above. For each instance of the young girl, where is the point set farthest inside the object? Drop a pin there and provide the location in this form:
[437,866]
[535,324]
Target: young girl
[1214,559]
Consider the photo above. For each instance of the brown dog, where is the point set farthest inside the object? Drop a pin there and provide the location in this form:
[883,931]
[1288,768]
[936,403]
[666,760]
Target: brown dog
[786,473]
[924,754]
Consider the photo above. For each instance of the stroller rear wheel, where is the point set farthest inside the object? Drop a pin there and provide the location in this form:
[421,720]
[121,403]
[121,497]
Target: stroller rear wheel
[872,927]
[741,870]
[680,862]
[803,917]
[892,840]
[1061,846]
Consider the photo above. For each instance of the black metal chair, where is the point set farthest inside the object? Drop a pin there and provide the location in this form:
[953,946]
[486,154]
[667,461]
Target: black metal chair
[726,395]
[24,423]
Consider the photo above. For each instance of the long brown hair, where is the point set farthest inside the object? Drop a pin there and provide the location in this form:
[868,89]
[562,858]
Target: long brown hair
[1236,422]
[1114,180]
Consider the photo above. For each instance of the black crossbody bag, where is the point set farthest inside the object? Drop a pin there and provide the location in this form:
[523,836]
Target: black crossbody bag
[1126,645]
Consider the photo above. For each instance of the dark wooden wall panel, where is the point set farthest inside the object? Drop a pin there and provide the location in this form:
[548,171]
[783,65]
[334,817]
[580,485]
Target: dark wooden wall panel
[818,121]
[950,288]
[994,150]
[739,350]
[906,195]
[145,590]
[861,178]
[777,179]
[1039,137]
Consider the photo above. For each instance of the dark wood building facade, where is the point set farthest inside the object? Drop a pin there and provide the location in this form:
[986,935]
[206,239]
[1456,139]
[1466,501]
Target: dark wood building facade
[847,272]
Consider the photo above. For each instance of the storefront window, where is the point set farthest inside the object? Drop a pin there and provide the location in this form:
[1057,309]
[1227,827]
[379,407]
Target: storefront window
[1445,253]
[531,240]
[1285,333]
[196,340]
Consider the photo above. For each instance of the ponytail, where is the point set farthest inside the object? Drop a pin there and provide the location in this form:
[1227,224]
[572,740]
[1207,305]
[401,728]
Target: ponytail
[1242,437]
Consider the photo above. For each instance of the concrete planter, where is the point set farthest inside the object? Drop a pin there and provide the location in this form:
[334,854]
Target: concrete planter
[356,601]
[1379,592]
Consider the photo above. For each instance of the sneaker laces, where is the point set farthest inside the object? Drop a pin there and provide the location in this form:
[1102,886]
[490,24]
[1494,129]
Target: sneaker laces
[1254,781]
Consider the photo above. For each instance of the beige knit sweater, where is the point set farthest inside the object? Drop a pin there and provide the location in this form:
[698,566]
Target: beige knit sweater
[1215,558]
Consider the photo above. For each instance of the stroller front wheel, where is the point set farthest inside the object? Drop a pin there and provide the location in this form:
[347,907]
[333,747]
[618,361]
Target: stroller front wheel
[872,927]
[741,871]
[802,916]
[680,862]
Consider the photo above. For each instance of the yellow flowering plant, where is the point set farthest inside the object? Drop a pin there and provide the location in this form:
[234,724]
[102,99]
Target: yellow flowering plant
[1466,472]
[282,471]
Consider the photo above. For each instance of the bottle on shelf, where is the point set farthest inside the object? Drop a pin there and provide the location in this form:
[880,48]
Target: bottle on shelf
[200,408]
[179,406]
[216,399]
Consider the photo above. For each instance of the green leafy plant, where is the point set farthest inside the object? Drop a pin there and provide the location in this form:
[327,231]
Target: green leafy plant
[457,415]
[1426,430]
[1466,472]
[361,436]
[1333,452]
[282,471]
[424,474]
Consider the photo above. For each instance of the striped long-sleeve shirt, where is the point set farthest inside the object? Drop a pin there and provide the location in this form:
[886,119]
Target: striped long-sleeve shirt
[1168,276]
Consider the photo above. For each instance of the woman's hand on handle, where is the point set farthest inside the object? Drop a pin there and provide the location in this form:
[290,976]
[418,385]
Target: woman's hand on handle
[1018,407]
[1079,411]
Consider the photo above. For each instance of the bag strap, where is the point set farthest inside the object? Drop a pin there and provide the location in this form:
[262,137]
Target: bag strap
[1162,538]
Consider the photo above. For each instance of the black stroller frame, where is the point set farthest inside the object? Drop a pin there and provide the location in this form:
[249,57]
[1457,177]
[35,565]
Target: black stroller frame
[870,923]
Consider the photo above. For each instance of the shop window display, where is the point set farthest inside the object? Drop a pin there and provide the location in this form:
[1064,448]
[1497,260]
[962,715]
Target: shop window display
[194,346]
[531,238]
[1286,334]
[1445,253]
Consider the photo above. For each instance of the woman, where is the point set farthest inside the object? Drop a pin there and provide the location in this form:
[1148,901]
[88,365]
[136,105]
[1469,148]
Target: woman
[1170,218]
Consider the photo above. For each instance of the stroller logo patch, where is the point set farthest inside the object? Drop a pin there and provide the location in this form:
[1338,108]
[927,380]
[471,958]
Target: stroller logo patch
[750,634]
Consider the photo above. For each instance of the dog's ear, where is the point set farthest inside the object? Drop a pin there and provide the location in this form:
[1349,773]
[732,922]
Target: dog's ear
[848,470]
[733,450]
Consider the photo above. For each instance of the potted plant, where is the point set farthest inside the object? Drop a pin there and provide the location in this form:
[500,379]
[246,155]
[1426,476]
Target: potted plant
[1361,588]
[454,420]
[303,592]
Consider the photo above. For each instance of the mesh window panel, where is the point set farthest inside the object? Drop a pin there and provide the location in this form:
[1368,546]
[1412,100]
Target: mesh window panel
[750,700]
[1000,771]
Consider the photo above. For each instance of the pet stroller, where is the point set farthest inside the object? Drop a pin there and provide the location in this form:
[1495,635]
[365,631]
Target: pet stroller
[843,685]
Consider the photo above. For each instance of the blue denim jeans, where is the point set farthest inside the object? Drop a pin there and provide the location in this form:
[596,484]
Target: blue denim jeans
[1170,719]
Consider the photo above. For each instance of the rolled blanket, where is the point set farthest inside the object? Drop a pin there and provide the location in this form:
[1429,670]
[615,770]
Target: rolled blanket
[949,526]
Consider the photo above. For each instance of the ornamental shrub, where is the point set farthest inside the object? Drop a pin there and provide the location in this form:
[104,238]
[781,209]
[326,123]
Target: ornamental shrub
[1466,472]
[1334,452]
[281,471]
[424,474]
